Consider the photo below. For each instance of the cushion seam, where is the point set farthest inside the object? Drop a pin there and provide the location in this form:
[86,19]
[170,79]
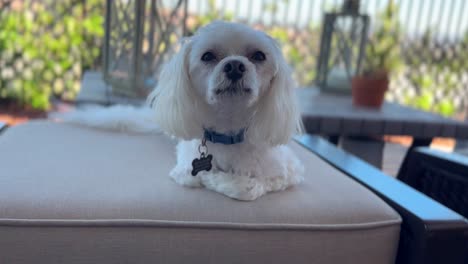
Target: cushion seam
[190,224]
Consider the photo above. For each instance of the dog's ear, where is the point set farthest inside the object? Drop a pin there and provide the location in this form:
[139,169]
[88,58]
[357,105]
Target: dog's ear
[277,117]
[174,100]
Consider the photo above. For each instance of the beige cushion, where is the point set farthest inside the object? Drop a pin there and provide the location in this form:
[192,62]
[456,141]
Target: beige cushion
[71,194]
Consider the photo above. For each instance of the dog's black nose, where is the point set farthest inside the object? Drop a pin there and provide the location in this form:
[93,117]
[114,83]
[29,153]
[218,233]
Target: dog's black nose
[234,70]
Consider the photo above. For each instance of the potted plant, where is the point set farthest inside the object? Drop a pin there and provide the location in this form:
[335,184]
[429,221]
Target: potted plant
[382,57]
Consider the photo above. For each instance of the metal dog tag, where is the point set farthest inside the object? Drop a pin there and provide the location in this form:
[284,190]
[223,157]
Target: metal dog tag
[204,162]
[201,164]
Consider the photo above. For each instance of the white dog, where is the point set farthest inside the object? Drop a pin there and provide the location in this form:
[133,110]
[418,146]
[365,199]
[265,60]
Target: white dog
[229,96]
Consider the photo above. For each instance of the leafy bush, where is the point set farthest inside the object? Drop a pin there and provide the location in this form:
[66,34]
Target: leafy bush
[383,48]
[437,73]
[45,45]
[213,13]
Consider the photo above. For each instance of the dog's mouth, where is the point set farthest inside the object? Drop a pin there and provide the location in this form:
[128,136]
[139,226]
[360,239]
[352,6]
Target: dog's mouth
[233,90]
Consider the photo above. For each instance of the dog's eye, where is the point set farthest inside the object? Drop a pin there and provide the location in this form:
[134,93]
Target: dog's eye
[258,56]
[208,56]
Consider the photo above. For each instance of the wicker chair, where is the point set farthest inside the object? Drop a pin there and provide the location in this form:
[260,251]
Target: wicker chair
[441,176]
[425,236]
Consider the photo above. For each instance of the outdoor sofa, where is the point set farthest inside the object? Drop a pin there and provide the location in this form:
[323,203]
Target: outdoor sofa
[71,194]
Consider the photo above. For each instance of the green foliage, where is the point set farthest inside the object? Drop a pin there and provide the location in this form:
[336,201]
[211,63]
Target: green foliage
[423,81]
[44,47]
[383,47]
[428,87]
[424,101]
[425,64]
[428,51]
[436,69]
[212,14]
[300,49]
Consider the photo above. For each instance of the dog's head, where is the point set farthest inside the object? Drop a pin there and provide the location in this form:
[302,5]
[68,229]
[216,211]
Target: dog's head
[228,77]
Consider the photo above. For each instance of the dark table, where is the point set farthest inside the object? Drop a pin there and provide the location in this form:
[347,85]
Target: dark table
[359,130]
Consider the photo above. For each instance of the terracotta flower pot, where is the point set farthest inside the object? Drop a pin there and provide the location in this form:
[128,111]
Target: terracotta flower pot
[369,91]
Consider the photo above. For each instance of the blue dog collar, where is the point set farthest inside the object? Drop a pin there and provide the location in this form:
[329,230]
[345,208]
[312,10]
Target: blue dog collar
[230,139]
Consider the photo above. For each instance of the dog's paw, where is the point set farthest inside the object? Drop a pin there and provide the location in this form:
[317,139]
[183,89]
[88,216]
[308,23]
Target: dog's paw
[239,187]
[248,193]
[185,178]
[295,171]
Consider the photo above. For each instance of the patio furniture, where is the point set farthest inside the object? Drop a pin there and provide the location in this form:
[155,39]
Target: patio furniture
[441,176]
[421,233]
[461,146]
[72,194]
[360,129]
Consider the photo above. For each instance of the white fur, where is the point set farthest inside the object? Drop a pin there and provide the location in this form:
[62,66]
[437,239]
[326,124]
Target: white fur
[118,117]
[188,99]
[240,171]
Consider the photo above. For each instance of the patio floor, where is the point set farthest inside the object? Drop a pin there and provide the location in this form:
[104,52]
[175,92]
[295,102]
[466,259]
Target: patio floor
[393,156]
[396,147]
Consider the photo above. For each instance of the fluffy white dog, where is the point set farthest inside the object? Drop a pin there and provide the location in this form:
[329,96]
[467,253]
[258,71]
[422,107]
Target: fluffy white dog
[228,95]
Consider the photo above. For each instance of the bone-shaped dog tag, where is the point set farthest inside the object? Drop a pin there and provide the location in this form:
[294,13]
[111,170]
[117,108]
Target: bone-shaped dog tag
[201,164]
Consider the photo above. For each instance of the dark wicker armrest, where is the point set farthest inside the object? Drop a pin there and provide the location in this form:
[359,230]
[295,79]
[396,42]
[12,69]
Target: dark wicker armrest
[430,232]
[441,176]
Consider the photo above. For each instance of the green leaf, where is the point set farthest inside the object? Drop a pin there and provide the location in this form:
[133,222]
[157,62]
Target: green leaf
[425,101]
[445,107]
